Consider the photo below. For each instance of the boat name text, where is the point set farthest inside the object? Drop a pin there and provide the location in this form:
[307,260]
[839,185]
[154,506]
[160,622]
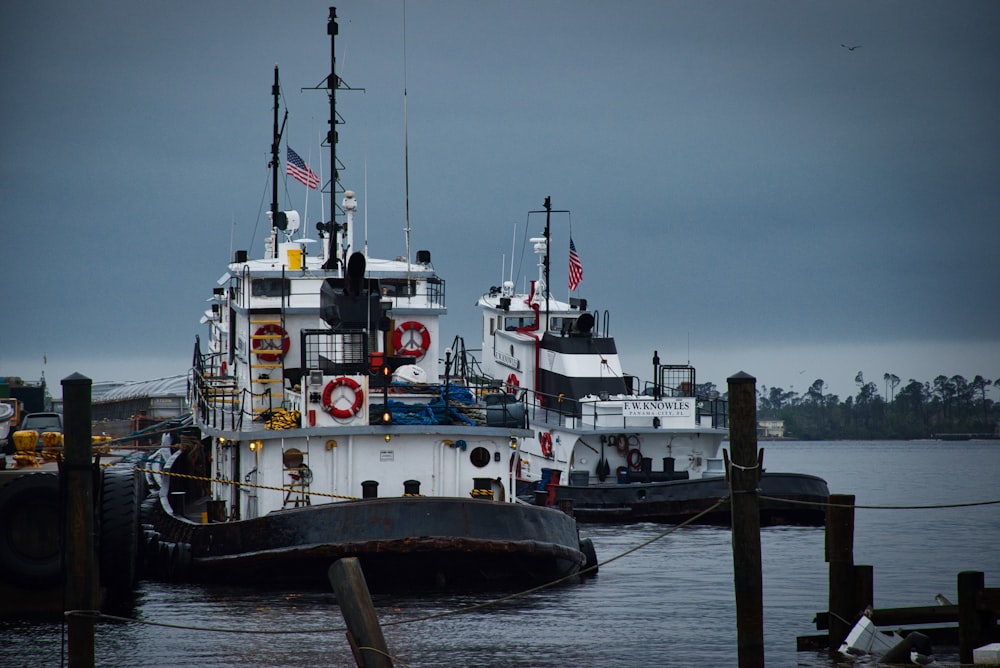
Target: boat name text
[652,408]
[507,360]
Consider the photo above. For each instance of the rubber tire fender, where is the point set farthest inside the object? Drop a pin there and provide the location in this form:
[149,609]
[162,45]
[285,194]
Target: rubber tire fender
[119,536]
[590,557]
[29,505]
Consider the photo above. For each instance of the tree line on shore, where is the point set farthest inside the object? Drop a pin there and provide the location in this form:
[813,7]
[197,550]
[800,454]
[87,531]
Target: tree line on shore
[944,406]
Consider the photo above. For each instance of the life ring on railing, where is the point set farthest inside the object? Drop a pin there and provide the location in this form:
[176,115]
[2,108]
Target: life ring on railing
[343,413]
[512,384]
[411,339]
[270,332]
[545,439]
[634,459]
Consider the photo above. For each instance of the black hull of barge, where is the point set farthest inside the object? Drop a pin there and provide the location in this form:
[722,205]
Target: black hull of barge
[801,500]
[403,543]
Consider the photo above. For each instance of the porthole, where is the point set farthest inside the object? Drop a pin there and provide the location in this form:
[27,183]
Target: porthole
[480,457]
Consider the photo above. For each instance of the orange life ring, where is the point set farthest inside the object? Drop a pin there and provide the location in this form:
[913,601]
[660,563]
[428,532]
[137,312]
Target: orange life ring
[343,413]
[512,384]
[545,438]
[634,459]
[274,352]
[417,342]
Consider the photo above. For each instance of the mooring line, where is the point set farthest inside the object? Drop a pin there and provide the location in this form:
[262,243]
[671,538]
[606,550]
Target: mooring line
[824,504]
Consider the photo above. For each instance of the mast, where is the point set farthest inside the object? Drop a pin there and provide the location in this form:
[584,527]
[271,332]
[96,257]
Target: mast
[332,83]
[275,143]
[548,249]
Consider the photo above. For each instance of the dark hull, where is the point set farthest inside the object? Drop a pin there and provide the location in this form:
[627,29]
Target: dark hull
[679,500]
[402,543]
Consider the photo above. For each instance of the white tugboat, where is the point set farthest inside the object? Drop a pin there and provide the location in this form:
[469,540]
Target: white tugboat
[610,446]
[330,421]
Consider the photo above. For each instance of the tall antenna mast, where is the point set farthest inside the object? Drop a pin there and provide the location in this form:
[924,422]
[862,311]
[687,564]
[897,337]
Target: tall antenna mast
[406,154]
[275,160]
[332,83]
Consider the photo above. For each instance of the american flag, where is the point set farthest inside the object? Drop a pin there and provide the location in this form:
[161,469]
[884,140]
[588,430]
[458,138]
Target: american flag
[575,267]
[299,170]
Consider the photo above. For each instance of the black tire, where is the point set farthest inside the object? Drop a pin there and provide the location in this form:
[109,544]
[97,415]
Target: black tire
[119,537]
[30,551]
[587,547]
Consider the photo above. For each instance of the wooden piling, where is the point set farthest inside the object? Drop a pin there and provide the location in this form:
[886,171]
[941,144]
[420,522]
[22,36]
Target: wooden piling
[363,631]
[76,476]
[744,476]
[971,625]
[840,556]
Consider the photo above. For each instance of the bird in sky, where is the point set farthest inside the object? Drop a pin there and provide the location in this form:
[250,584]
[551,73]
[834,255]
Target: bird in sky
[851,48]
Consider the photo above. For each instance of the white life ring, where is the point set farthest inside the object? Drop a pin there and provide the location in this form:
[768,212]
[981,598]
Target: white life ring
[411,339]
[275,350]
[328,400]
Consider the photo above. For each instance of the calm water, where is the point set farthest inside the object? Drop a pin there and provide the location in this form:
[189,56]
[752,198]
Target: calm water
[669,604]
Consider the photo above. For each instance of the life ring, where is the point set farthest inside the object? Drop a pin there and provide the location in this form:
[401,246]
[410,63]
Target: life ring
[417,339]
[275,352]
[29,533]
[634,459]
[545,439]
[343,413]
[512,384]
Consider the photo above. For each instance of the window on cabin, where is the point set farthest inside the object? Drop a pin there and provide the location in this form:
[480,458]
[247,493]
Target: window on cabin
[270,287]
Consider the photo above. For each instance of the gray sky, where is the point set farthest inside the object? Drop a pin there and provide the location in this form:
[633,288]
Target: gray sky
[746,193]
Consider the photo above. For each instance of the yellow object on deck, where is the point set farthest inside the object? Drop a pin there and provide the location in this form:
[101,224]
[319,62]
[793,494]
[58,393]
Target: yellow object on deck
[294,258]
[26,440]
[52,439]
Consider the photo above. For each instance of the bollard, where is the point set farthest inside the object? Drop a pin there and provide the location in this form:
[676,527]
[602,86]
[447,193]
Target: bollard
[744,476]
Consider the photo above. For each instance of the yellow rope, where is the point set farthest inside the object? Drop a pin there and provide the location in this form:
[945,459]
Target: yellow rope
[242,484]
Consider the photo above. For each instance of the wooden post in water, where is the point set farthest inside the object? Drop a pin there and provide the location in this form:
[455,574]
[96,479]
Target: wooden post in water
[744,478]
[840,556]
[77,478]
[363,630]
[970,622]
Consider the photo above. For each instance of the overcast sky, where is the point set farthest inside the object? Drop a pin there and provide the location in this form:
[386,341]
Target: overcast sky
[746,192]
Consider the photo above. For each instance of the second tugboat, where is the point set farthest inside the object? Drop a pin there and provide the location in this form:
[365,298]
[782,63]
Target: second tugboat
[609,446]
[329,421]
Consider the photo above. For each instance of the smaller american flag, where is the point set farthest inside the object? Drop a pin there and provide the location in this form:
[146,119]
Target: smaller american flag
[575,267]
[299,170]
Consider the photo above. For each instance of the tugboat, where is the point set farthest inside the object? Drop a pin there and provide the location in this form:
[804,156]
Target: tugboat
[330,421]
[604,443]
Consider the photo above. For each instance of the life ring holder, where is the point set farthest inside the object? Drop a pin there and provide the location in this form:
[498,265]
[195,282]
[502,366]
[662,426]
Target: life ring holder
[270,330]
[343,413]
[513,384]
[422,344]
[634,459]
[545,440]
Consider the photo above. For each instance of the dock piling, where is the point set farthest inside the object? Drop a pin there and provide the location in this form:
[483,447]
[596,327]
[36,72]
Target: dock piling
[363,630]
[744,477]
[78,525]
[840,556]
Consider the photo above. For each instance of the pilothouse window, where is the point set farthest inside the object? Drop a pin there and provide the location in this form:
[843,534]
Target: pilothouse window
[269,287]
